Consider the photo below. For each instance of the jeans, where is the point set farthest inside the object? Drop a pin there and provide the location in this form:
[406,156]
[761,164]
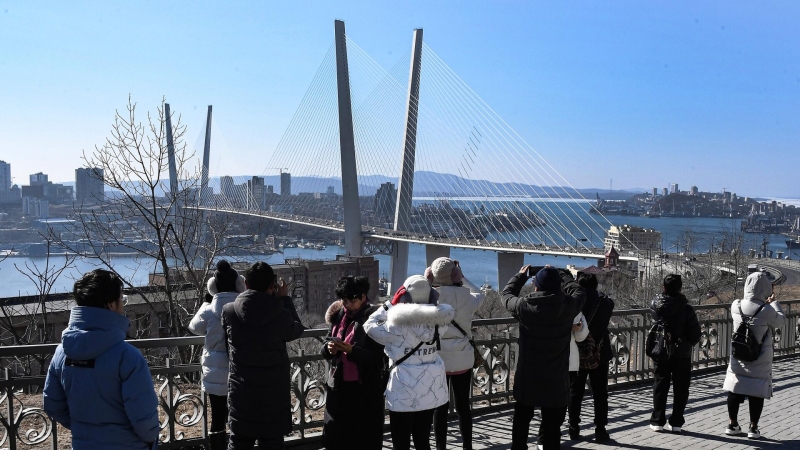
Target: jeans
[405,424]
[549,430]
[459,388]
[756,405]
[247,443]
[598,379]
[679,371]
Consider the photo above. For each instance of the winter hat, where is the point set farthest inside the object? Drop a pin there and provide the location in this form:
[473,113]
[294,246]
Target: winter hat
[547,279]
[225,279]
[757,286]
[445,272]
[416,289]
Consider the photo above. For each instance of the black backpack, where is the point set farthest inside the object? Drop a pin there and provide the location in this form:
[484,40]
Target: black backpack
[744,346]
[660,343]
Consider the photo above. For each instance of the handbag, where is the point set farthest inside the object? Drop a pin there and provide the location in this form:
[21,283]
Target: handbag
[387,371]
[589,349]
[478,357]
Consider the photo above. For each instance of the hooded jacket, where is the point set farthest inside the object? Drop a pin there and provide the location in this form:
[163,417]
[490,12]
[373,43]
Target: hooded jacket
[755,378]
[258,326]
[367,354]
[420,382]
[99,386]
[208,322]
[577,336]
[457,352]
[680,321]
[545,330]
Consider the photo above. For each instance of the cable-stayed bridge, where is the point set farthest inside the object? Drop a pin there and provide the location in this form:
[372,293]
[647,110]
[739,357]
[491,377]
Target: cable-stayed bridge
[411,155]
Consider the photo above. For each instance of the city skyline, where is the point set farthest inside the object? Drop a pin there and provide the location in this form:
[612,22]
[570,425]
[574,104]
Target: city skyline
[683,93]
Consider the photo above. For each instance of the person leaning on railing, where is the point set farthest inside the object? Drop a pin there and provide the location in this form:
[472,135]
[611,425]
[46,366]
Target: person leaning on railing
[98,386]
[753,380]
[354,405]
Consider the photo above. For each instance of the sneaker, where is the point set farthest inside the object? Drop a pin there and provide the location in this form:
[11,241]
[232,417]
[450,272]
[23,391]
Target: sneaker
[574,432]
[733,430]
[672,428]
[601,435]
[753,432]
[656,428]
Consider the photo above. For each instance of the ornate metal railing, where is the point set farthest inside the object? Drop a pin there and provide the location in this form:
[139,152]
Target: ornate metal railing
[184,416]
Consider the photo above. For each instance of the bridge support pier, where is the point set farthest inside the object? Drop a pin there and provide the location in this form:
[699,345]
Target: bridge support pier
[508,264]
[435,251]
[399,266]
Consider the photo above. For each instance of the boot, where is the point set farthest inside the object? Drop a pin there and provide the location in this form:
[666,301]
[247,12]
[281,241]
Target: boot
[218,440]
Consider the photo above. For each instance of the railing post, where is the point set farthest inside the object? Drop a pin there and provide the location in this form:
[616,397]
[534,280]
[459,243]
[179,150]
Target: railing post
[170,403]
[12,423]
[301,398]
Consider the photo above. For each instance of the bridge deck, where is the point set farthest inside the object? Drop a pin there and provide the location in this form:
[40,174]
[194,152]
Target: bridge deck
[630,408]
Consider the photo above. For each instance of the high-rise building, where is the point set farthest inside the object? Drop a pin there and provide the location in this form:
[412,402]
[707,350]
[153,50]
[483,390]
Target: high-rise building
[255,192]
[226,186]
[655,192]
[270,189]
[694,191]
[5,176]
[35,207]
[330,191]
[386,202]
[673,188]
[665,191]
[89,185]
[38,179]
[286,183]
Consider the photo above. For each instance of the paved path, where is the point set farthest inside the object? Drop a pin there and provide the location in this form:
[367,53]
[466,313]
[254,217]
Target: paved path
[706,418]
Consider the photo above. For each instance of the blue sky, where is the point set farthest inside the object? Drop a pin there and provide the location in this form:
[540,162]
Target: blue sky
[698,93]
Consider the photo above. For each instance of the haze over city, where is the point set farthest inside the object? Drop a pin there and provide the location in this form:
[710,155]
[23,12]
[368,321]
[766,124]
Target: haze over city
[644,93]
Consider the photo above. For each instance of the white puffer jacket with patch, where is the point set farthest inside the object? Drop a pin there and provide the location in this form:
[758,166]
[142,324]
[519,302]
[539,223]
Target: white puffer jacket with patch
[419,383]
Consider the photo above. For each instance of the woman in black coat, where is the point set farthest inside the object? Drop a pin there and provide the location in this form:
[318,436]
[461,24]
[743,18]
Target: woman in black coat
[354,411]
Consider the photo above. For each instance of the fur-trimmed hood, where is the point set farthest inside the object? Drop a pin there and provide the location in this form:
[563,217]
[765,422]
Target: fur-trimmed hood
[332,311]
[410,314]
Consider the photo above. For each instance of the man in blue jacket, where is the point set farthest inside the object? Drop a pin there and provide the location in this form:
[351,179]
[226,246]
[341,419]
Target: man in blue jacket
[98,386]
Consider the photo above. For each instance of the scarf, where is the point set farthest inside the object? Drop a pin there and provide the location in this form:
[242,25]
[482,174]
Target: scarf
[346,331]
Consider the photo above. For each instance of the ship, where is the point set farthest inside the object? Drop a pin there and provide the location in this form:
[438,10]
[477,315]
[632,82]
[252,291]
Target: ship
[793,243]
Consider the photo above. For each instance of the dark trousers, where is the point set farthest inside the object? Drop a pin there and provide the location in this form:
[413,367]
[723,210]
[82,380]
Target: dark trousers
[756,405]
[598,379]
[549,430]
[459,388]
[678,371]
[353,417]
[406,424]
[219,412]
[247,443]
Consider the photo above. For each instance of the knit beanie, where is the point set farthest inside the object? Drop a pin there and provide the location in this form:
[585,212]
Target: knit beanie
[225,279]
[446,272]
[547,279]
[418,288]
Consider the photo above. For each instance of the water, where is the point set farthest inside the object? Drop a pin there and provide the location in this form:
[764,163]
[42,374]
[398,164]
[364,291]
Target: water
[478,265]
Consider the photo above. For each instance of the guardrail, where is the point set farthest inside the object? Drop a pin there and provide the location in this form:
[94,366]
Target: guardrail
[184,416]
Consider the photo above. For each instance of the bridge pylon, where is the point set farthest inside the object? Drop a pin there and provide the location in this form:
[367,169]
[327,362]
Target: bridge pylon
[206,156]
[173,171]
[405,187]
[347,147]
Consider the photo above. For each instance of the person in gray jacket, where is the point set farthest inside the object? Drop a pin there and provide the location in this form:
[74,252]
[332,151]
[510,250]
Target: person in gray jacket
[753,379]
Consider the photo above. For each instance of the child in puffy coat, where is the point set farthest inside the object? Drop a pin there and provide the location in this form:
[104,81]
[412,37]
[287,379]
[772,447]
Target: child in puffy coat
[412,323]
[225,286]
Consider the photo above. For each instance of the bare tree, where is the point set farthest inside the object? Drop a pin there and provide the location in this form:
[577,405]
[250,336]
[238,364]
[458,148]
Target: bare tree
[146,217]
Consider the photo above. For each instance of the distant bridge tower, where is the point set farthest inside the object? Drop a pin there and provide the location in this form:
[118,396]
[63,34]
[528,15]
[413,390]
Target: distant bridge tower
[173,172]
[347,146]
[206,156]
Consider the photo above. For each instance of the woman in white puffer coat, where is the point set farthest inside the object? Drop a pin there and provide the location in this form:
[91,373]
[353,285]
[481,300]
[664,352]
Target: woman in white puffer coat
[457,353]
[225,286]
[411,323]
